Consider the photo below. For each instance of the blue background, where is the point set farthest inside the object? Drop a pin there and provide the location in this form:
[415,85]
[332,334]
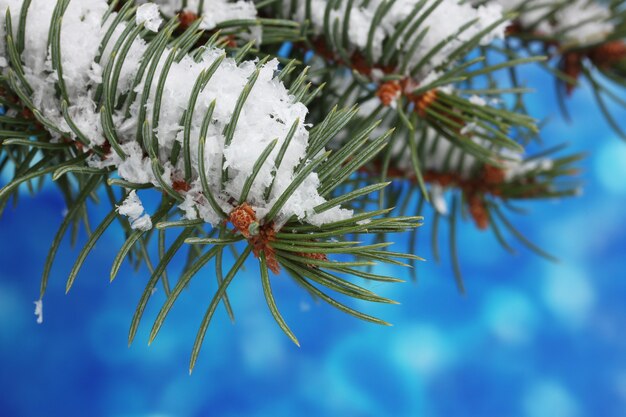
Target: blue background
[531,338]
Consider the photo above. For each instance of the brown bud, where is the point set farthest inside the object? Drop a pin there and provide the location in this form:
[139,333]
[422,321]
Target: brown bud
[261,244]
[423,101]
[242,217]
[493,175]
[608,54]
[388,92]
[478,211]
[181,186]
[187,18]
[572,66]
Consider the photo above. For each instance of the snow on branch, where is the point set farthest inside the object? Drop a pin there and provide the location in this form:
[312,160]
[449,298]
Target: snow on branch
[213,12]
[149,104]
[416,30]
[581,22]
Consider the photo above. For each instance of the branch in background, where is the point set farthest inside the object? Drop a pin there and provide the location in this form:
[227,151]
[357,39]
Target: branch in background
[586,40]
[397,61]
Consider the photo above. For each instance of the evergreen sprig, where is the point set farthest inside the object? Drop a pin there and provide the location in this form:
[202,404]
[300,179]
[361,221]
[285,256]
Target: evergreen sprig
[305,251]
[390,127]
[599,61]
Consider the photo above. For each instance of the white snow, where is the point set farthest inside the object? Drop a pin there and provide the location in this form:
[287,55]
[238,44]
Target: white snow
[438,199]
[584,21]
[39,310]
[133,209]
[149,15]
[132,206]
[143,223]
[477,100]
[214,11]
[469,128]
[517,169]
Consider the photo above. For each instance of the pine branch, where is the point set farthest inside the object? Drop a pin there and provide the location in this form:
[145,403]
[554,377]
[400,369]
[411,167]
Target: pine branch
[290,160]
[477,190]
[405,66]
[230,148]
[586,43]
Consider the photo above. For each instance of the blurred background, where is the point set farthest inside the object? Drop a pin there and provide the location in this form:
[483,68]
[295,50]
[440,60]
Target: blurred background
[531,338]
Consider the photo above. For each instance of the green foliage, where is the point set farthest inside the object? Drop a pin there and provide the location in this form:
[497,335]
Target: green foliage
[371,154]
